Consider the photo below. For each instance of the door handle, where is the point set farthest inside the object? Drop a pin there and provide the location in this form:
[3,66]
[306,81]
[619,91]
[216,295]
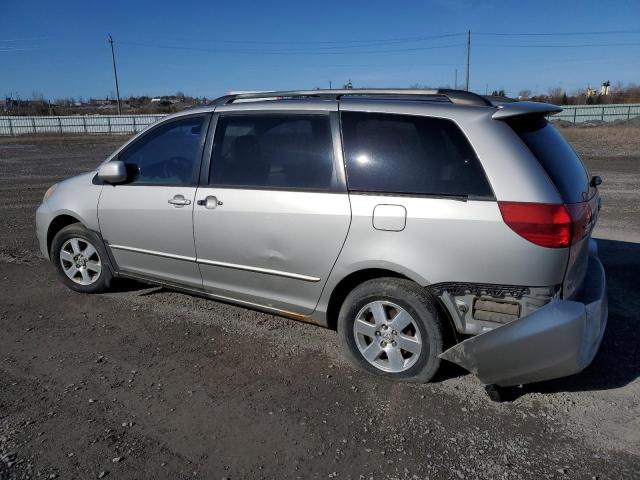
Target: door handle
[179,201]
[210,202]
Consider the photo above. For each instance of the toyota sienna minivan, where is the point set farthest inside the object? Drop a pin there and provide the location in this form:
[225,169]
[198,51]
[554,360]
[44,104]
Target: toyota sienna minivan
[423,225]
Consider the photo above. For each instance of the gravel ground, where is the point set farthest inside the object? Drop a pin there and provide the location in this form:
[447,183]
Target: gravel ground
[147,383]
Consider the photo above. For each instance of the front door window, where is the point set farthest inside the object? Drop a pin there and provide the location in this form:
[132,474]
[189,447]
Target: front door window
[168,155]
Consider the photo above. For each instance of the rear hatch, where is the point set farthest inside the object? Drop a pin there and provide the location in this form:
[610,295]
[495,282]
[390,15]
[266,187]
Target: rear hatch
[570,177]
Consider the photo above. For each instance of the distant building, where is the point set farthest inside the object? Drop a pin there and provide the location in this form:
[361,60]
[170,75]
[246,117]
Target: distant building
[605,89]
[591,92]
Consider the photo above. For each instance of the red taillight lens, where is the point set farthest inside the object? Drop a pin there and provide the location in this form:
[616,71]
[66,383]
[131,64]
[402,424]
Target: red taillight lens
[581,215]
[545,224]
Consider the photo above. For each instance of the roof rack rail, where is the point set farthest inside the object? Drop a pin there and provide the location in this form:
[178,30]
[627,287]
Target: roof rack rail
[458,97]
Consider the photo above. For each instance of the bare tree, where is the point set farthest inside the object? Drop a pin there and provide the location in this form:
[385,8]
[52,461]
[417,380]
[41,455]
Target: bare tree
[524,94]
[419,86]
[555,94]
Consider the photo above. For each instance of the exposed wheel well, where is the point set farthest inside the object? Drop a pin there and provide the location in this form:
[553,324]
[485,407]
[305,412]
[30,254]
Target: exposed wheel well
[58,224]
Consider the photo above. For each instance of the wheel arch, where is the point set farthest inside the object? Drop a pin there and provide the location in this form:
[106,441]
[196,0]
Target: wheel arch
[58,223]
[347,284]
[352,280]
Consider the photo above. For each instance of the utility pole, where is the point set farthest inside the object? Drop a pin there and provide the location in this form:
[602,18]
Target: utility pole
[468,58]
[455,80]
[115,73]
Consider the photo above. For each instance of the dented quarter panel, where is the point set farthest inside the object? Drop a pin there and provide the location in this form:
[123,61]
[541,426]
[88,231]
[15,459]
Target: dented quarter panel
[434,246]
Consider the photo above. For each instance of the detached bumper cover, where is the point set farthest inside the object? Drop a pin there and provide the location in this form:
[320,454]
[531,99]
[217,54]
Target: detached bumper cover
[557,340]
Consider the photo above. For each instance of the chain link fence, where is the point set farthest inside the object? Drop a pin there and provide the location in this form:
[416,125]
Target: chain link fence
[76,124]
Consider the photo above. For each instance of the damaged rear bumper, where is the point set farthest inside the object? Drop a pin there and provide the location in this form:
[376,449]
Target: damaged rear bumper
[556,340]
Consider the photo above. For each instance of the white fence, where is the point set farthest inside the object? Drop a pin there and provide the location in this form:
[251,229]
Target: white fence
[128,124]
[603,113]
[78,124]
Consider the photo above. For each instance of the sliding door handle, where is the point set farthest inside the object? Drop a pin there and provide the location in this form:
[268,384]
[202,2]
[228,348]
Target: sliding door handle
[210,202]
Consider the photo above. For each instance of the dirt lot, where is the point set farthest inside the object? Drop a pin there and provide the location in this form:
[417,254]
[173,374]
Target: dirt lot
[147,383]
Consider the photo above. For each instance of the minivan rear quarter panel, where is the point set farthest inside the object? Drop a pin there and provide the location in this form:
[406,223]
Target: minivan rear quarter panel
[446,240]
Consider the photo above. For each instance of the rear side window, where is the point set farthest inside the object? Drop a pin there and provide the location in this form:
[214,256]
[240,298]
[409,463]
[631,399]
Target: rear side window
[167,155]
[560,161]
[409,154]
[274,151]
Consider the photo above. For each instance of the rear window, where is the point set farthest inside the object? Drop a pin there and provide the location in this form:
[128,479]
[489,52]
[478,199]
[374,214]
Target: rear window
[408,154]
[560,161]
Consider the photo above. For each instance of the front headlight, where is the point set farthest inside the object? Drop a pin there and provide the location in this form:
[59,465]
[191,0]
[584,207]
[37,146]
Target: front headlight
[49,192]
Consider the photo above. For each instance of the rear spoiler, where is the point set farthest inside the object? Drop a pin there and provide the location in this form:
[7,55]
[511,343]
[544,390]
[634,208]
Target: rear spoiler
[524,109]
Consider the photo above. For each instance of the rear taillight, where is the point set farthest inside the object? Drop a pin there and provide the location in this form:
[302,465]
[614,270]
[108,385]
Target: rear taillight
[548,224]
[581,216]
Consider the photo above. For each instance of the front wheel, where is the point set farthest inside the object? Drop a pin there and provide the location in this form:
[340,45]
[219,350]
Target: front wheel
[80,259]
[391,327]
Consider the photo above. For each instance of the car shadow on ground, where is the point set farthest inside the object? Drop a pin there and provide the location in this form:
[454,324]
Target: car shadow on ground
[618,362]
[121,285]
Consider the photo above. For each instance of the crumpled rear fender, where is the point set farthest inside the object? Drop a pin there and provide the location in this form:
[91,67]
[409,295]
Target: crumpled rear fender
[556,340]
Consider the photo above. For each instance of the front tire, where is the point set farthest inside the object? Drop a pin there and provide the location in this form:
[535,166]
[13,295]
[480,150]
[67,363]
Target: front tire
[391,327]
[80,260]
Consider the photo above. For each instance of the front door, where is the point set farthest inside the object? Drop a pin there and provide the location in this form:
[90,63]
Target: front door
[148,220]
[271,223]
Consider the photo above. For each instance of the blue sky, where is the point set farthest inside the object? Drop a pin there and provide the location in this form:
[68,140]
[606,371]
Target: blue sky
[207,48]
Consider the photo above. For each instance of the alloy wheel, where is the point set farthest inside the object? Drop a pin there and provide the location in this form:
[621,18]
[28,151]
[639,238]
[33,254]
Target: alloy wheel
[387,336]
[80,261]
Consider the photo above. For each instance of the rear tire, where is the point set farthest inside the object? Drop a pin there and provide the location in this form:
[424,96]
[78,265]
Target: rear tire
[79,257]
[391,327]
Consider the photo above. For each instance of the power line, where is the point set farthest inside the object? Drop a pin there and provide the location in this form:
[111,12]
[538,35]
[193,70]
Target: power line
[383,65]
[21,39]
[354,47]
[550,34]
[581,45]
[339,47]
[346,43]
[17,49]
[564,61]
[390,40]
[288,51]
[413,65]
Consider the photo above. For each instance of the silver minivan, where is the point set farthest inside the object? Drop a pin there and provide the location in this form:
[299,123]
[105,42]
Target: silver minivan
[423,225]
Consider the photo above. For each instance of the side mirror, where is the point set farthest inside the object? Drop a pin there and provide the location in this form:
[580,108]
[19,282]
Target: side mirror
[595,181]
[113,172]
